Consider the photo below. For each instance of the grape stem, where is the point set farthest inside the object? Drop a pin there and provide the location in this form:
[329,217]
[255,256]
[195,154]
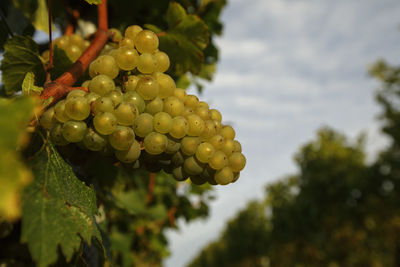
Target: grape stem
[150,189]
[73,18]
[57,89]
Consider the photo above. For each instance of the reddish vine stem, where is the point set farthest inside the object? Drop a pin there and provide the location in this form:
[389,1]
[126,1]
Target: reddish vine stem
[150,190]
[74,16]
[61,86]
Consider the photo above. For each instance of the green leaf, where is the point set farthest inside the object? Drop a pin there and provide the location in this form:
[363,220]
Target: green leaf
[14,117]
[93,2]
[36,11]
[157,212]
[28,85]
[61,62]
[21,56]
[184,41]
[133,201]
[58,209]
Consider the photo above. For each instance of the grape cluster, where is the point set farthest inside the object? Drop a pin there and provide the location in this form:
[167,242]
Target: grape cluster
[73,45]
[134,112]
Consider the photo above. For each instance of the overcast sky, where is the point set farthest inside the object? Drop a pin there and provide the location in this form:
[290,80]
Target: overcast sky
[288,68]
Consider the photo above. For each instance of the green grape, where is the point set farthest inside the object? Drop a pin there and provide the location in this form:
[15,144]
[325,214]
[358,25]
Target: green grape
[179,174]
[237,146]
[146,63]
[179,127]
[215,115]
[173,145]
[209,173]
[228,147]
[192,166]
[189,145]
[126,58]
[196,125]
[122,138]
[94,141]
[76,93]
[162,61]
[180,93]
[127,42]
[132,31]
[154,106]
[47,120]
[162,122]
[155,143]
[218,160]
[173,106]
[204,152]
[224,176]
[217,126]
[59,111]
[105,123]
[101,85]
[75,39]
[143,124]
[177,159]
[146,41]
[91,97]
[115,34]
[227,132]
[191,101]
[209,130]
[166,85]
[57,136]
[236,176]
[135,99]
[73,52]
[104,65]
[116,96]
[217,141]
[202,112]
[103,104]
[130,155]
[46,55]
[197,179]
[203,104]
[77,108]
[147,87]
[237,161]
[187,111]
[126,113]
[74,131]
[62,42]
[131,83]
[84,84]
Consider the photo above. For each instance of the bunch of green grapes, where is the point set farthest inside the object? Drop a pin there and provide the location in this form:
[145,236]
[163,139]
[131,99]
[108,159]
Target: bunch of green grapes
[134,111]
[73,45]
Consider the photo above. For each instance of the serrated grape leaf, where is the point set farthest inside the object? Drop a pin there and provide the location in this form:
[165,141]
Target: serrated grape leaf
[14,117]
[61,62]
[36,11]
[95,2]
[21,56]
[29,87]
[57,210]
[184,40]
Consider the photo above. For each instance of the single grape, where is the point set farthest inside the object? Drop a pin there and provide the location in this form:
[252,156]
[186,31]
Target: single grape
[126,58]
[215,115]
[146,41]
[204,152]
[59,111]
[192,166]
[135,99]
[91,97]
[147,87]
[173,145]
[76,93]
[197,179]
[105,65]
[173,106]
[162,61]
[209,173]
[116,96]
[132,31]
[131,83]
[146,63]
[62,42]
[217,141]
[94,141]
[224,176]
[77,108]
[237,146]
[209,130]
[196,125]
[84,84]
[166,85]
[228,147]
[179,174]
[155,143]
[74,131]
[105,123]
[218,160]
[103,104]
[154,106]
[177,159]
[47,120]
[162,122]
[227,132]
[202,112]
[57,136]
[101,84]
[122,138]
[236,176]
[189,145]
[126,113]
[115,34]
[179,127]
[191,101]
[180,93]
[143,124]
[203,104]
[130,155]
[127,42]
[75,39]
[73,52]
[217,126]
[237,161]
[187,111]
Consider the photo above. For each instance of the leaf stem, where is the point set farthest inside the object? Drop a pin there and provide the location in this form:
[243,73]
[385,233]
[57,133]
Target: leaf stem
[51,61]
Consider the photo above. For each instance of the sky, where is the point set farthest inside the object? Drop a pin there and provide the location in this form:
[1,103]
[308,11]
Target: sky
[286,69]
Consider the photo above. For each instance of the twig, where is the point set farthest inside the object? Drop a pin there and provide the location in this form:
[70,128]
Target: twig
[51,62]
[3,18]
[150,189]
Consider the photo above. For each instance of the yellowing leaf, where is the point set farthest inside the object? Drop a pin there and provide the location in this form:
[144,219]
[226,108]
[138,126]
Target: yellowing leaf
[28,85]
